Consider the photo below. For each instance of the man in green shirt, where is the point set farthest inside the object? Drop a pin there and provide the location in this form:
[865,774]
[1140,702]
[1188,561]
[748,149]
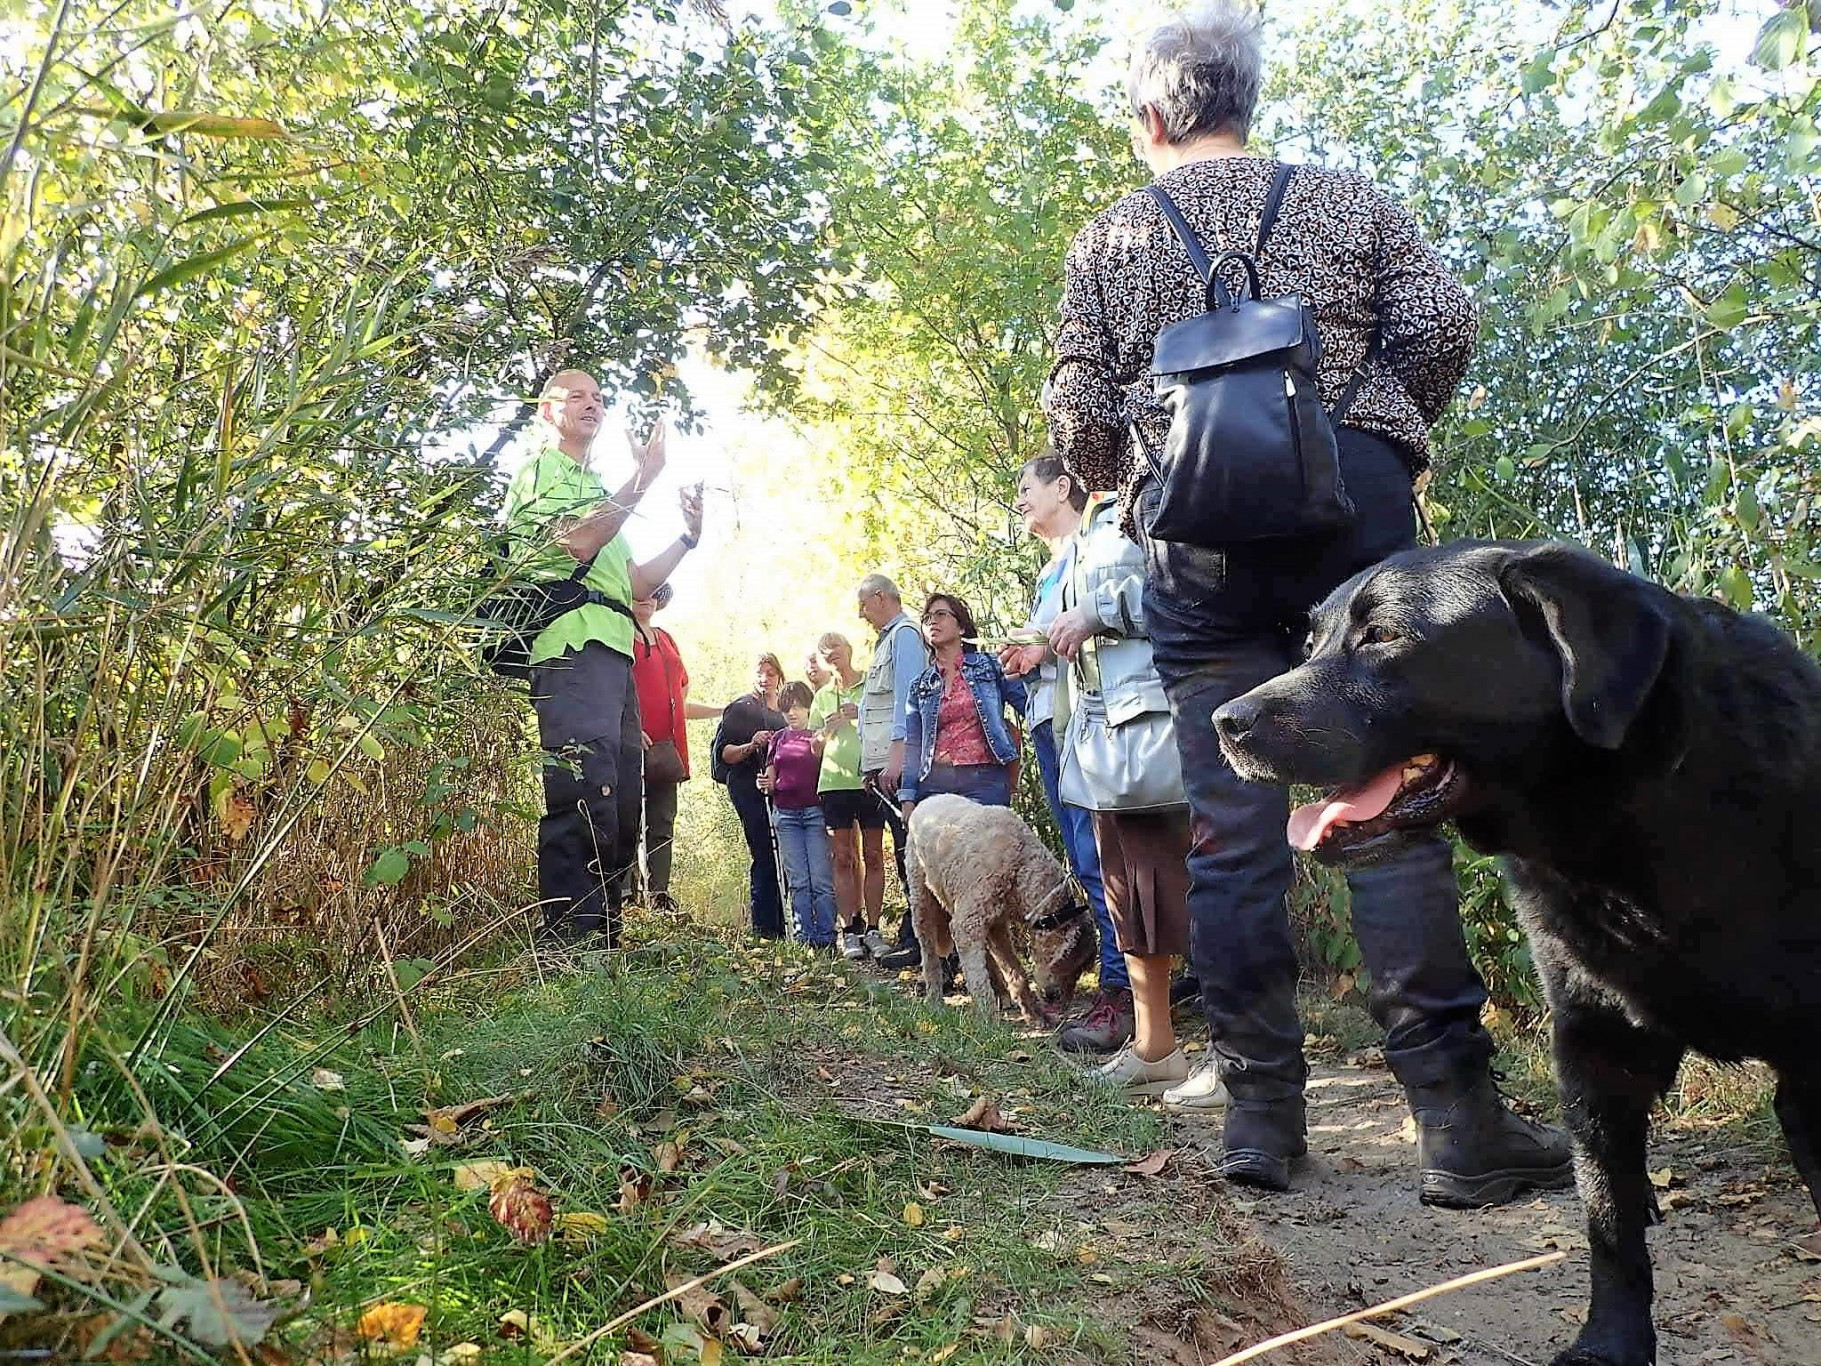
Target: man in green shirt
[559,515]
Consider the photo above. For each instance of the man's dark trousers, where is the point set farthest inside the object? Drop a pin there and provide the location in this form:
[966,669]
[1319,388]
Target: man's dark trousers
[1221,623]
[588,724]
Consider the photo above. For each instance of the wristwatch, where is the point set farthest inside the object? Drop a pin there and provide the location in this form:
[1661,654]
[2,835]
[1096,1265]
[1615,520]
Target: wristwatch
[689,542]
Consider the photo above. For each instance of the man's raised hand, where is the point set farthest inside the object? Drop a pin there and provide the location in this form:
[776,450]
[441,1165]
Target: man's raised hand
[649,457]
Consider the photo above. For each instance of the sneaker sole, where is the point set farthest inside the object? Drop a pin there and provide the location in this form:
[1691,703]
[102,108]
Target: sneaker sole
[1446,1190]
[1151,1088]
[1195,1107]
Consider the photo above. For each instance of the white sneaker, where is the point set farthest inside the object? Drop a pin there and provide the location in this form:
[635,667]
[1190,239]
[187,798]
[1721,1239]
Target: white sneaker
[1141,1078]
[875,943]
[1200,1094]
[851,947]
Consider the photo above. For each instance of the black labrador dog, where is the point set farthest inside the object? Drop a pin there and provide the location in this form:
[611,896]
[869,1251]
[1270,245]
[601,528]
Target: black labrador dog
[1650,767]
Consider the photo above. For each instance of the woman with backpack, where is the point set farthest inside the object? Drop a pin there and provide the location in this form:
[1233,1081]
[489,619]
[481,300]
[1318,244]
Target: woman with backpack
[1252,353]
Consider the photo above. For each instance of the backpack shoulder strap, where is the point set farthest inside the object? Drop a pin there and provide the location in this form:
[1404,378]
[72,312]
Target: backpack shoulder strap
[1274,200]
[1184,233]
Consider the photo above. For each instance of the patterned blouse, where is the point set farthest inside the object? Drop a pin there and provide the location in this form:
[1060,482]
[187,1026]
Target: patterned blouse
[960,738]
[1354,255]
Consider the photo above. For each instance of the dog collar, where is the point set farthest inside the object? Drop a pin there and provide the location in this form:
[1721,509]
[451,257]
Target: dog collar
[1052,920]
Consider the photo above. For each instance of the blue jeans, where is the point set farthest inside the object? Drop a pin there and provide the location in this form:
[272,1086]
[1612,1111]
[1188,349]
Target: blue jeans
[988,784]
[1077,827]
[809,870]
[1221,623]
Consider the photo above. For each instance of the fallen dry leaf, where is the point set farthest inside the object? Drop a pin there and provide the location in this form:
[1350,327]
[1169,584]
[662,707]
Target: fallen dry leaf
[942,1354]
[1808,1247]
[753,1309]
[929,1283]
[715,1237]
[913,1214]
[44,1230]
[522,1210]
[884,1278]
[485,1174]
[702,1307]
[1408,1348]
[578,1226]
[1037,1337]
[325,1080]
[1152,1164]
[668,1156]
[786,1292]
[983,1115]
[392,1325]
[635,1190]
[320,1246]
[1663,1178]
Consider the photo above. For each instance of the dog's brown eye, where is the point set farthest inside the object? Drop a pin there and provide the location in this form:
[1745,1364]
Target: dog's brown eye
[1378,635]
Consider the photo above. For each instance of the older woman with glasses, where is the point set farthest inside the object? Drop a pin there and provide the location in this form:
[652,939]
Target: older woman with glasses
[957,738]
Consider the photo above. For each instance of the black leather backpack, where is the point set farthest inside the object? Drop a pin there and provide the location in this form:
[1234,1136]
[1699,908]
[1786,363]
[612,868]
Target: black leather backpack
[1251,453]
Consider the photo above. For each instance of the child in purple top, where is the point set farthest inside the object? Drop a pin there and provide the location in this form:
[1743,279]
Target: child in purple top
[792,776]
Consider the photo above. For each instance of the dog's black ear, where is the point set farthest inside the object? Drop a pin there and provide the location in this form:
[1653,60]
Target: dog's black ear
[1609,630]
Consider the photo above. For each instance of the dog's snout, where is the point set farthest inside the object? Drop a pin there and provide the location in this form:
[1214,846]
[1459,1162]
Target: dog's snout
[1236,718]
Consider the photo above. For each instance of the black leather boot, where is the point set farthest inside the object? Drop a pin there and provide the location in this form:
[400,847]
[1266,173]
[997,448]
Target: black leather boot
[1261,1137]
[1473,1151]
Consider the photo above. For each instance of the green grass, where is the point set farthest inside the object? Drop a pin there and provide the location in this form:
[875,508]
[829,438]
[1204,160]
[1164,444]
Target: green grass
[791,1087]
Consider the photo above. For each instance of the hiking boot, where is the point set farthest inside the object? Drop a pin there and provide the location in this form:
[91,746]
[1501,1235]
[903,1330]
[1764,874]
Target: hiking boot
[1202,1094]
[1108,1025]
[1261,1139]
[897,960]
[1141,1078]
[852,947]
[875,944]
[1473,1151]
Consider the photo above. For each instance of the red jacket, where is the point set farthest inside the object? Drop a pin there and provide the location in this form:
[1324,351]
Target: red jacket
[660,678]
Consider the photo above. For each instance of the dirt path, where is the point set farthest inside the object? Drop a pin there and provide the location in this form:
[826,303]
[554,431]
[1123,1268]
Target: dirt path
[1731,1286]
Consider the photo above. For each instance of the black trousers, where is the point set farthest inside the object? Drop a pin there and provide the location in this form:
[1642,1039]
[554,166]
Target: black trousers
[767,898]
[587,840]
[1221,623]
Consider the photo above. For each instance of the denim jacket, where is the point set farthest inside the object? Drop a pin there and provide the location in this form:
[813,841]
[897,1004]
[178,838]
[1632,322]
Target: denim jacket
[993,693]
[1108,581]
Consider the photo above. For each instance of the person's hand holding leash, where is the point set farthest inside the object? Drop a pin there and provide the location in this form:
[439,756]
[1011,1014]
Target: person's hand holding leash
[1018,660]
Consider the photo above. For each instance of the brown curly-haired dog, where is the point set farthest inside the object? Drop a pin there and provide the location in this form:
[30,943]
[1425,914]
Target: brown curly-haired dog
[975,871]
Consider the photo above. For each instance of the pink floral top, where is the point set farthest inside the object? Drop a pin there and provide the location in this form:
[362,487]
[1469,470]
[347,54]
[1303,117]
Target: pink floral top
[960,738]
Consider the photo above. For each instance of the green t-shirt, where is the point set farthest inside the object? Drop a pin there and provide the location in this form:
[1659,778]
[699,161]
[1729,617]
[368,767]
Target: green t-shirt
[546,488]
[841,755]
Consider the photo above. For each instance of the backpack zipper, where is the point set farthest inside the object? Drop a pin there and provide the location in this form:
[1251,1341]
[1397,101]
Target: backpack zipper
[1296,434]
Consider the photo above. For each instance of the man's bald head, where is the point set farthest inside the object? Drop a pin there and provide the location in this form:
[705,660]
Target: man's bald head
[571,405]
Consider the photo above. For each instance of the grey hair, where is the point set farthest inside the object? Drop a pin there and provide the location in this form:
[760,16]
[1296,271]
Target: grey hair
[878,583]
[1201,71]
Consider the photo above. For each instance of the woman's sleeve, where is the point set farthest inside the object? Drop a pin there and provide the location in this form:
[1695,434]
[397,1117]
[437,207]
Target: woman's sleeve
[913,749]
[1012,690]
[1117,601]
[1427,325]
[1082,398]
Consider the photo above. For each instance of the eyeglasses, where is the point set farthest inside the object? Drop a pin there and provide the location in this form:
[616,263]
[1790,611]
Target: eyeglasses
[936,614]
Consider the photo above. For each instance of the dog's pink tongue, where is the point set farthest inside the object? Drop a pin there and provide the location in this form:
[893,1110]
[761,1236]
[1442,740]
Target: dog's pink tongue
[1308,823]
